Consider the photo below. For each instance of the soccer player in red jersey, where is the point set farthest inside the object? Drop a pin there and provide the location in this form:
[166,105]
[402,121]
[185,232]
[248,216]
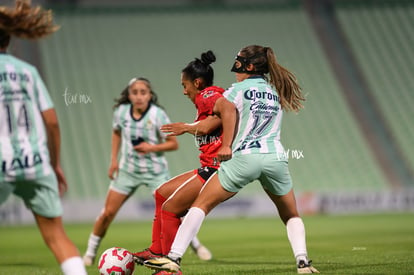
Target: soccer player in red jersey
[173,198]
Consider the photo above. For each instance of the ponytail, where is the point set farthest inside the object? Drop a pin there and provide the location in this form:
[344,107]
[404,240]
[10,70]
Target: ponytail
[285,82]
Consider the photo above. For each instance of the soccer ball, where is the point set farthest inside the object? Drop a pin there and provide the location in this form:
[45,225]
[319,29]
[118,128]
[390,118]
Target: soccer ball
[116,261]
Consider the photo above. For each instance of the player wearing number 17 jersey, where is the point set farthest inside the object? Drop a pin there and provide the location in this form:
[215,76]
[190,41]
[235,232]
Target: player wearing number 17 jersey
[263,89]
[260,121]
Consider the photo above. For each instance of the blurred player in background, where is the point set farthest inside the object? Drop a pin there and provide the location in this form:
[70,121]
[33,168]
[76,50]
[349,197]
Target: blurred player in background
[30,136]
[174,197]
[256,152]
[140,146]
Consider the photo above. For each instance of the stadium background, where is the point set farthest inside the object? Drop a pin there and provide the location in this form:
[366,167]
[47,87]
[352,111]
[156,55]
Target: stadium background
[351,148]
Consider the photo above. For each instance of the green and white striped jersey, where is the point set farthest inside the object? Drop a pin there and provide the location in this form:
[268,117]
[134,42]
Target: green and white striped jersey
[146,128]
[23,140]
[260,117]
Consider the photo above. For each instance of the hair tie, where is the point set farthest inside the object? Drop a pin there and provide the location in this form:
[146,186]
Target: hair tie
[132,81]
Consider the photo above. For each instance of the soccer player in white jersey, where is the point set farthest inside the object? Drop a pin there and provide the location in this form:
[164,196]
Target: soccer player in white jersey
[30,137]
[140,146]
[264,89]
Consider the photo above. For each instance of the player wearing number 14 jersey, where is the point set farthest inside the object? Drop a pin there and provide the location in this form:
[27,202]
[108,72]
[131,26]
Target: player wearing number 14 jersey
[29,135]
[23,142]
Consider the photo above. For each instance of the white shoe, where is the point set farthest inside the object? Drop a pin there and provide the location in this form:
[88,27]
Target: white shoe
[202,252]
[306,268]
[164,263]
[88,260]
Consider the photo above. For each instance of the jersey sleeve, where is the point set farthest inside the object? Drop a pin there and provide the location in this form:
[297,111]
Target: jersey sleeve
[162,120]
[205,103]
[116,122]
[228,94]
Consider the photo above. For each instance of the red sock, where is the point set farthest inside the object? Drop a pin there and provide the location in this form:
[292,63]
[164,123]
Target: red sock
[156,224]
[169,227]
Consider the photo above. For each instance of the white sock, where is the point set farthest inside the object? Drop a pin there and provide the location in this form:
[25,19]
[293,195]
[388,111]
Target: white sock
[195,242]
[297,238]
[93,245]
[73,266]
[187,231]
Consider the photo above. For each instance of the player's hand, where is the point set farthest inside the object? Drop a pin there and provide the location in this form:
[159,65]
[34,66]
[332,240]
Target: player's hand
[174,129]
[143,148]
[62,184]
[224,153]
[113,171]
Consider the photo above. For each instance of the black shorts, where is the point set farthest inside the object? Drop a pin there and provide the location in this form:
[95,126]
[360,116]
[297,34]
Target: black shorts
[205,172]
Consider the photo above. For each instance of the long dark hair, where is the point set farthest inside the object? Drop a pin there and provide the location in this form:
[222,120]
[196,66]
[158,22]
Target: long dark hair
[123,98]
[200,68]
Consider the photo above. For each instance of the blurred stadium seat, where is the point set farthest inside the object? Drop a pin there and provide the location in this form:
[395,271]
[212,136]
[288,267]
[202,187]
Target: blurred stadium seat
[382,39]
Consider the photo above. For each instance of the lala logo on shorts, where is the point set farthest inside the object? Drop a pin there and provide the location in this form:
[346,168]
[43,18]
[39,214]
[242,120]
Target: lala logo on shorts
[23,162]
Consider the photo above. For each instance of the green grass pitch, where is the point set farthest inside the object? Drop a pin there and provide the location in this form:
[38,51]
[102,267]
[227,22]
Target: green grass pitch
[348,244]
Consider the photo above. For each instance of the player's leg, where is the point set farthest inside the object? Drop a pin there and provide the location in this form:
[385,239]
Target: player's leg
[42,197]
[169,187]
[177,205]
[277,183]
[201,250]
[286,205]
[61,246]
[233,175]
[213,193]
[295,228]
[210,196]
[113,202]
[161,194]
[119,191]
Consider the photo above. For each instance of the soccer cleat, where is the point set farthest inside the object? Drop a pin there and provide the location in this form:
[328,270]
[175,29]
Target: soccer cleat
[202,252]
[164,263]
[146,254]
[88,260]
[306,268]
[163,272]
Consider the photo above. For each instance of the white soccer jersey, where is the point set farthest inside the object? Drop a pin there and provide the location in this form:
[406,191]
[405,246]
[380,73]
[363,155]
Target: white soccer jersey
[147,128]
[23,140]
[260,117]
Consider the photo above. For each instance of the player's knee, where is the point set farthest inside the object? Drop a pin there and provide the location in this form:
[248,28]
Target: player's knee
[108,214]
[173,208]
[287,216]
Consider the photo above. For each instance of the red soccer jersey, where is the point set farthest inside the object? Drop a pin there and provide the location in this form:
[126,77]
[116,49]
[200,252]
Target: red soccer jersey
[208,144]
